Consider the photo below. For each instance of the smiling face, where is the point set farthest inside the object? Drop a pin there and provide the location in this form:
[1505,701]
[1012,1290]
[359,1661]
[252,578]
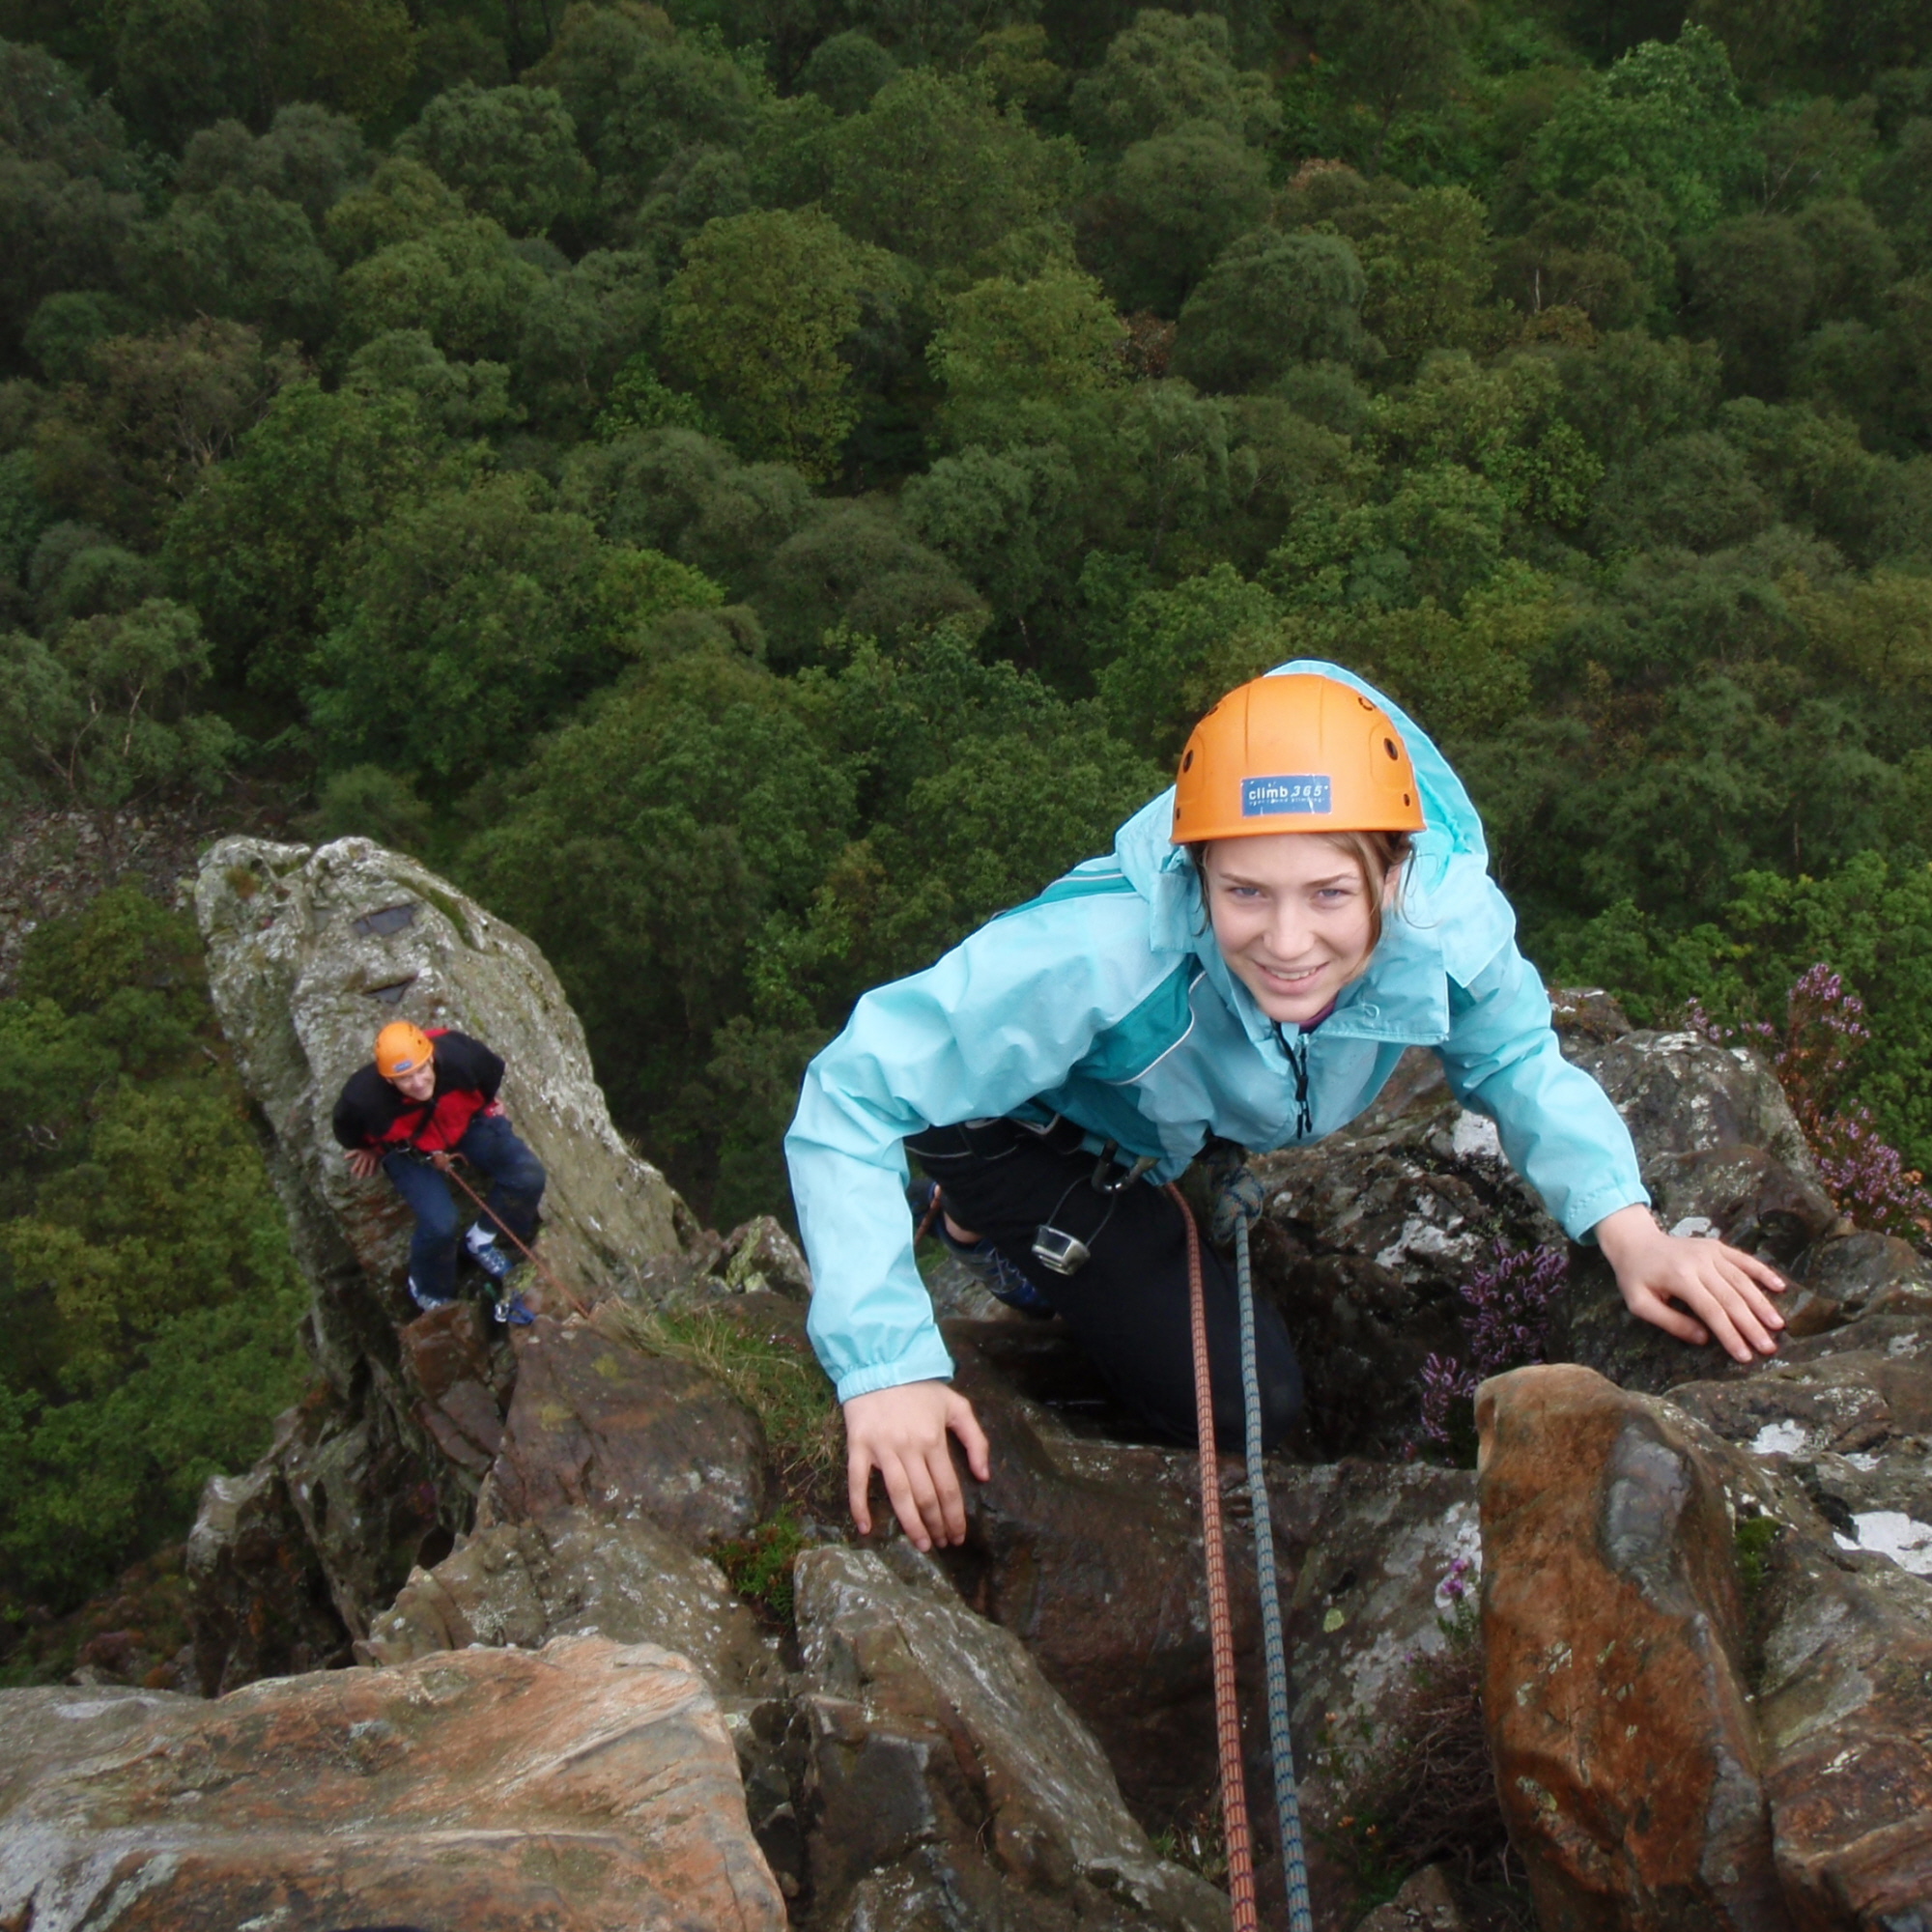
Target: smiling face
[1292,916]
[419,1083]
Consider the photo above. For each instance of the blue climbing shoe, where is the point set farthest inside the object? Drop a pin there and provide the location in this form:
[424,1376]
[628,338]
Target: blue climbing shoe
[495,1261]
[428,1303]
[999,1276]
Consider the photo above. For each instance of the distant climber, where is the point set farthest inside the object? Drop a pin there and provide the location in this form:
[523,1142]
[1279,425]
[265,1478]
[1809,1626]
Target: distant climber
[425,1097]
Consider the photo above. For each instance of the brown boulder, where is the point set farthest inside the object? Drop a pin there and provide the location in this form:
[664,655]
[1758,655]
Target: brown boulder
[461,1385]
[597,1423]
[589,1787]
[1614,1691]
[1090,1551]
[1091,1555]
[1850,1275]
[578,1573]
[1845,1713]
[260,1603]
[948,1784]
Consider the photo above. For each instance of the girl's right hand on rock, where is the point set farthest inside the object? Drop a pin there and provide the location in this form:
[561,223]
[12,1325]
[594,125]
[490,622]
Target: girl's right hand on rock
[902,1433]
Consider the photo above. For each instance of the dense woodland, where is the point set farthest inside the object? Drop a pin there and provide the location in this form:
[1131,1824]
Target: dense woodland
[754,487]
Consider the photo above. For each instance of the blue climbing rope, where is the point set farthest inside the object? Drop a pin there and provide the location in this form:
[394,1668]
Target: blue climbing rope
[1287,1803]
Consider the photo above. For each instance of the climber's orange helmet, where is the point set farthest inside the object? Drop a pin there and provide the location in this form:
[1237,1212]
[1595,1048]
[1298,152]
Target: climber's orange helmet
[401,1048]
[1298,752]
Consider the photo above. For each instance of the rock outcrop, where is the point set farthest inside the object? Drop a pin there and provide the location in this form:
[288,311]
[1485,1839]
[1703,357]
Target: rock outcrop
[310,952]
[1706,1707]
[948,1783]
[1705,1642]
[588,1787]
[1616,1686]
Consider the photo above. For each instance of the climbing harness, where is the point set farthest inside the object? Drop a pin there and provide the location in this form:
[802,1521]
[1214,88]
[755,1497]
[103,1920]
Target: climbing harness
[1226,1710]
[549,1280]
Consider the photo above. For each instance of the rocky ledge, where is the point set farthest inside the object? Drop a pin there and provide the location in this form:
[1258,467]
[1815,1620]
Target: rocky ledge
[565,1629]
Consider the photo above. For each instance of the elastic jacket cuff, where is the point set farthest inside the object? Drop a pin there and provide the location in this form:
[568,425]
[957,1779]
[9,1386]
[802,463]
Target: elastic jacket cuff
[922,1364]
[1585,1214]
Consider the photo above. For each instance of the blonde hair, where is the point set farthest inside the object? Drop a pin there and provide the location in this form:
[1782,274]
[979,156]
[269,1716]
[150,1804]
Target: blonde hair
[1377,854]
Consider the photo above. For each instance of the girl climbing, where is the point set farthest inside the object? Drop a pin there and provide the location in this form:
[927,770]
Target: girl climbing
[1262,945]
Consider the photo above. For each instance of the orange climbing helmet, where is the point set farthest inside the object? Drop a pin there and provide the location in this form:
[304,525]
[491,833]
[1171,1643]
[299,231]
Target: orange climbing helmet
[401,1048]
[1299,752]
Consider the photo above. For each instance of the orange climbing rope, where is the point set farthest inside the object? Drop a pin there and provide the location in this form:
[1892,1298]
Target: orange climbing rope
[549,1280]
[1220,1621]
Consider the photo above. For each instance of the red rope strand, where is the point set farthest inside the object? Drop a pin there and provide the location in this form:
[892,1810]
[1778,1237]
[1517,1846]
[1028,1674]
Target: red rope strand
[1220,1623]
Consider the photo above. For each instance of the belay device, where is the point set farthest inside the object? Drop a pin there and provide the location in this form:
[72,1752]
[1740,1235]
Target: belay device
[1053,1247]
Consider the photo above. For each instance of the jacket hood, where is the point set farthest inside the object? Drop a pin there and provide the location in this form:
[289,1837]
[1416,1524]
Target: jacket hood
[1451,919]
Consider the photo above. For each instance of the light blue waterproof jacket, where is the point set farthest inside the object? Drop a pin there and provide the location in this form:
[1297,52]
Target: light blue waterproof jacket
[1106,1001]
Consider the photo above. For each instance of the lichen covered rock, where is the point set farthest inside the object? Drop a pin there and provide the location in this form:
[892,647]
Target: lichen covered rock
[588,1787]
[948,1779]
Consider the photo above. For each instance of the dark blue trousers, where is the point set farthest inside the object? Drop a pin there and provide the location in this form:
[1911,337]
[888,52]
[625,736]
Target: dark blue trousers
[515,1178]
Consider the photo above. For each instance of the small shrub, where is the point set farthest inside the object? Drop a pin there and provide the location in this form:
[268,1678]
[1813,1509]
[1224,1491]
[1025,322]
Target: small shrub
[759,1566]
[1813,1055]
[1752,1544]
[1506,1308]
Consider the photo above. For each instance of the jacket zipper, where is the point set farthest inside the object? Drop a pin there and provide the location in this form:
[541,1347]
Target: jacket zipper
[1298,1059]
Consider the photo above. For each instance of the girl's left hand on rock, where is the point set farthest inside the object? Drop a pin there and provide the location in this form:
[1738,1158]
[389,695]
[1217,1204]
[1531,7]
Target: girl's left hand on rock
[1696,1289]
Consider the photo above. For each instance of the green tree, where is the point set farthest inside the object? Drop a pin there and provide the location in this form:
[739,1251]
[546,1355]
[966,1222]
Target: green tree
[1001,518]
[1504,422]
[1175,203]
[1395,55]
[156,412]
[757,319]
[1168,71]
[579,330]
[1179,650]
[645,853]
[1427,260]
[1605,252]
[475,620]
[57,230]
[934,171]
[510,151]
[462,283]
[156,1320]
[180,64]
[401,201]
[48,114]
[103,712]
[1271,301]
[243,256]
[1753,286]
[638,92]
[267,538]
[1011,355]
[846,71]
[310,156]
[1666,115]
[853,566]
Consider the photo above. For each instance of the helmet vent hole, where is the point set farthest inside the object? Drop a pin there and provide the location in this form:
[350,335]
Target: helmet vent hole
[1188,763]
[1388,745]
[1405,798]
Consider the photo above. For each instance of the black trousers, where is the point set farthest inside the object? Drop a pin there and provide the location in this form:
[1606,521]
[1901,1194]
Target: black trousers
[1128,1304]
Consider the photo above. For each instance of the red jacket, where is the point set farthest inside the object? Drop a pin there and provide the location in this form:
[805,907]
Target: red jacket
[372,1111]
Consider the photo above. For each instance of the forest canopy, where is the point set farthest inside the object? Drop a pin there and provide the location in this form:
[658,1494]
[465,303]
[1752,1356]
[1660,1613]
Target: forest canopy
[752,489]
